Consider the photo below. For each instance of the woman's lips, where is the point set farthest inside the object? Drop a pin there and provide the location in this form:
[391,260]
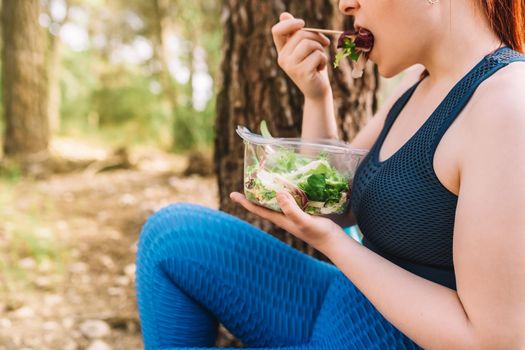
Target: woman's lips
[363,39]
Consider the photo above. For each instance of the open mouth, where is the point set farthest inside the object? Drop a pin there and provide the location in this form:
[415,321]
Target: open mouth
[355,43]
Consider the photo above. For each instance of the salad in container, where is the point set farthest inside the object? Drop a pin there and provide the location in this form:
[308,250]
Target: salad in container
[318,173]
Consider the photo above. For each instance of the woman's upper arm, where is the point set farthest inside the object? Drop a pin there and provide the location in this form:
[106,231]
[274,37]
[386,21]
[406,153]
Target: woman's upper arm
[366,137]
[489,231]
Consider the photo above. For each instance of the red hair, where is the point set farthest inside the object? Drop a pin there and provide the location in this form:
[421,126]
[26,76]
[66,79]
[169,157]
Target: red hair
[507,19]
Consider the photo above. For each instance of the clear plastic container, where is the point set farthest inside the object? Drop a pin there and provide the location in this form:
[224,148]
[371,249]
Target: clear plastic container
[317,172]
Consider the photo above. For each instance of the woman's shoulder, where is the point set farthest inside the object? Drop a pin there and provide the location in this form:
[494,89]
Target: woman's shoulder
[505,85]
[495,117]
[499,99]
[493,128]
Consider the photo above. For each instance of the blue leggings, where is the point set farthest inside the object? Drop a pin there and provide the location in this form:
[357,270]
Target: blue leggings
[198,266]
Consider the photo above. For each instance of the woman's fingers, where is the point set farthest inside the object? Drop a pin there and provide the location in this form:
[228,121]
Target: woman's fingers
[298,47]
[306,48]
[254,208]
[241,199]
[277,218]
[292,211]
[288,36]
[285,16]
[301,36]
[288,27]
[282,30]
[317,61]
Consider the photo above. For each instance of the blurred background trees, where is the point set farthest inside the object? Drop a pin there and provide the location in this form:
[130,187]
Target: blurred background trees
[24,80]
[128,71]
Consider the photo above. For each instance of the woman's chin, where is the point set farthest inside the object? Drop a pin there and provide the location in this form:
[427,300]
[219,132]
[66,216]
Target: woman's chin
[384,70]
[386,73]
[374,57]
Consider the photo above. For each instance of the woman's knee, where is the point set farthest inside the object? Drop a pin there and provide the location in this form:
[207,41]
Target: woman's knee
[169,226]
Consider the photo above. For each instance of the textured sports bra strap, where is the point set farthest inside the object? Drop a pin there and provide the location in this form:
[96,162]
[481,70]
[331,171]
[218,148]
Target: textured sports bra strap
[466,88]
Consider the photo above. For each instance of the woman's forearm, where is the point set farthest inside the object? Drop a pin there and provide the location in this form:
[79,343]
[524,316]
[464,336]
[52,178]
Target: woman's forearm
[319,118]
[428,313]
[344,220]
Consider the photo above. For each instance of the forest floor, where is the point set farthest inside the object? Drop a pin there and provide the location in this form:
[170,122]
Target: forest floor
[67,249]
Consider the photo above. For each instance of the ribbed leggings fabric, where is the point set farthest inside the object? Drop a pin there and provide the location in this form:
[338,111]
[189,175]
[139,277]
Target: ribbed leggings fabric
[197,266]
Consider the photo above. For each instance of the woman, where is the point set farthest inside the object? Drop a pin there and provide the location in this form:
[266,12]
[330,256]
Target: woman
[439,200]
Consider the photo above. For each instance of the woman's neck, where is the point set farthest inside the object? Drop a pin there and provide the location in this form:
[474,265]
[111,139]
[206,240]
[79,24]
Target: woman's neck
[465,39]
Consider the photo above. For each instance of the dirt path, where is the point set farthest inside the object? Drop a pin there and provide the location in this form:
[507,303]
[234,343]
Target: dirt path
[67,247]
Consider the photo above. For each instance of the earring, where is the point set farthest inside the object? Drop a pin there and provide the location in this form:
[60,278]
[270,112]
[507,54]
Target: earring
[432,2]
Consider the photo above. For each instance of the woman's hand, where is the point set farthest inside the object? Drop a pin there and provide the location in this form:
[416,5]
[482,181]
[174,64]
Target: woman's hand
[302,56]
[314,230]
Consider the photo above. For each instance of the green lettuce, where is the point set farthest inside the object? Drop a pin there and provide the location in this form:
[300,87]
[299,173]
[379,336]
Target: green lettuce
[317,186]
[348,49]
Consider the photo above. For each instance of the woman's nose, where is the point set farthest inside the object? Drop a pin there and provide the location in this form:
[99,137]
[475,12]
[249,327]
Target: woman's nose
[348,7]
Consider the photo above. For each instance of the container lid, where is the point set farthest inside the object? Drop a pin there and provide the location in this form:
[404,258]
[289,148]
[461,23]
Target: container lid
[329,145]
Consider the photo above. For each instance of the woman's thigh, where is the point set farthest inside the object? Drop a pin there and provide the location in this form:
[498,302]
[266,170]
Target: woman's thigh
[348,320]
[265,292]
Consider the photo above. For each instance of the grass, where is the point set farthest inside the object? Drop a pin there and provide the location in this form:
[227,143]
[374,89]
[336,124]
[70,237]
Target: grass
[10,172]
[25,233]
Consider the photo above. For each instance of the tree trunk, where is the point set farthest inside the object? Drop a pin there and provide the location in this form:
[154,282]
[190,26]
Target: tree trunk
[54,94]
[24,83]
[254,88]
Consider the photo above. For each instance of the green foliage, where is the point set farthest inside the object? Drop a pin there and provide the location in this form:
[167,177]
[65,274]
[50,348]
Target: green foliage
[125,101]
[76,85]
[10,171]
[26,235]
[125,96]
[27,244]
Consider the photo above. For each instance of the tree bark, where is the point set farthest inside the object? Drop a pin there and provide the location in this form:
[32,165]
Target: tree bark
[253,87]
[54,94]
[24,83]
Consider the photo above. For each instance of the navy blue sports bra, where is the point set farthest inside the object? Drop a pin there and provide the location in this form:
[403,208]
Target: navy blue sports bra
[404,212]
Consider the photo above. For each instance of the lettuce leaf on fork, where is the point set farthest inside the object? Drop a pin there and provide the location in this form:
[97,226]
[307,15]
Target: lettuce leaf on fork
[348,50]
[356,44]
